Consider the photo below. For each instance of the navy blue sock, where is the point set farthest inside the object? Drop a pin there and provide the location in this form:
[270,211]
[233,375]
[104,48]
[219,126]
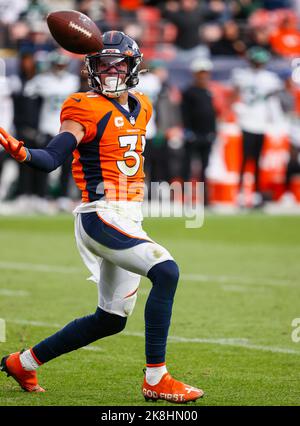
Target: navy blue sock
[158,310]
[79,333]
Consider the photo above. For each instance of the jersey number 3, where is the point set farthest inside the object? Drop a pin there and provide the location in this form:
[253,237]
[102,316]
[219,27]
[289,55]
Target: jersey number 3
[131,141]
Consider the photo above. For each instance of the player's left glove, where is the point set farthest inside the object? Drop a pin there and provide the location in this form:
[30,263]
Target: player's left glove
[14,147]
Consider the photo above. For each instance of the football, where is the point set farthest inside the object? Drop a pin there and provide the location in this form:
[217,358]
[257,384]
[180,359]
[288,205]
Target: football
[75,31]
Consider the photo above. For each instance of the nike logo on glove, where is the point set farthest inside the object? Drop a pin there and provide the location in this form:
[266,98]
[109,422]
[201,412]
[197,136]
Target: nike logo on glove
[76,99]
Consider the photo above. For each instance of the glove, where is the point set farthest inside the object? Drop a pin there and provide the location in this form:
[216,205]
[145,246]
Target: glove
[14,147]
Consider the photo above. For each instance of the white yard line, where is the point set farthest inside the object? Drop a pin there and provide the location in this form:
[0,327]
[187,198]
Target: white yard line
[35,323]
[36,267]
[237,288]
[242,288]
[93,348]
[238,342]
[13,293]
[2,330]
[223,279]
[237,279]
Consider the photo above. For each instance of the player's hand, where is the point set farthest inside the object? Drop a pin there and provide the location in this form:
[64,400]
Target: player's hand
[14,147]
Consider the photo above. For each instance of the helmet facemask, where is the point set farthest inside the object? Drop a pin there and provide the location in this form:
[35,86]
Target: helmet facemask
[112,74]
[118,49]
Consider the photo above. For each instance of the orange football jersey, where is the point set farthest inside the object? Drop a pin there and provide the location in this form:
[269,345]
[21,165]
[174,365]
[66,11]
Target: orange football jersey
[108,161]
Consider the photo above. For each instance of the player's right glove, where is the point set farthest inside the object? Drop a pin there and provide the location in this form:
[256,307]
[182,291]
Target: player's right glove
[14,147]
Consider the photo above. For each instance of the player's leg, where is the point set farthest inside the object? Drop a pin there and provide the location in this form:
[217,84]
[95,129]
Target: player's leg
[247,148]
[117,289]
[155,262]
[257,148]
[117,286]
[204,153]
[78,333]
[82,331]
[117,296]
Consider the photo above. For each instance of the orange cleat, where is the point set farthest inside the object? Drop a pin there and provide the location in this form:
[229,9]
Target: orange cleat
[11,365]
[171,390]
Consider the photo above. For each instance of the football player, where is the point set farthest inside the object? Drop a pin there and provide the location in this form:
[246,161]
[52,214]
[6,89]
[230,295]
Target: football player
[105,130]
[258,109]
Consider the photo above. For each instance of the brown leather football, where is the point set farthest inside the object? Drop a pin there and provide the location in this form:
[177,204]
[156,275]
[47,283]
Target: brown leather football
[75,31]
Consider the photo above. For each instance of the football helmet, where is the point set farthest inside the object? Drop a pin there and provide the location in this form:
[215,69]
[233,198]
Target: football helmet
[114,69]
[258,55]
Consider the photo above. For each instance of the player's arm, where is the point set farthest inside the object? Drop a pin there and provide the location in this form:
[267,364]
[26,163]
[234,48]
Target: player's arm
[50,157]
[73,127]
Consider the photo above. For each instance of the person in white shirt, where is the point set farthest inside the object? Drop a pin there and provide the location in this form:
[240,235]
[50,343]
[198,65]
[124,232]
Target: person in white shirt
[259,106]
[6,119]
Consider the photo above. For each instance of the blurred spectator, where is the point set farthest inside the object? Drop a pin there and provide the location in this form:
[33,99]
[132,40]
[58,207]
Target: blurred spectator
[187,20]
[276,4]
[258,108]
[135,31]
[296,7]
[92,8]
[17,32]
[230,43]
[6,116]
[168,143]
[285,40]
[199,118]
[104,13]
[288,101]
[259,36]
[10,11]
[242,9]
[217,10]
[271,20]
[53,87]
[163,154]
[150,84]
[26,118]
[9,14]
[37,39]
[35,11]
[176,31]
[211,33]
[128,8]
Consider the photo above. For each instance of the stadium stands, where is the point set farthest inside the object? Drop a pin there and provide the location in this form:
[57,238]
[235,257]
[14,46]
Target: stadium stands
[274,26]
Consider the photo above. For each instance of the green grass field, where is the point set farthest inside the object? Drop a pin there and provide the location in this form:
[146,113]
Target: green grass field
[231,327]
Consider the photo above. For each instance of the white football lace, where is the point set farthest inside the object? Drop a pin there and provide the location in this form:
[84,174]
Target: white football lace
[80,29]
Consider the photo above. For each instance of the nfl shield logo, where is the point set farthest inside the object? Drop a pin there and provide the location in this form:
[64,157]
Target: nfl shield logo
[132,120]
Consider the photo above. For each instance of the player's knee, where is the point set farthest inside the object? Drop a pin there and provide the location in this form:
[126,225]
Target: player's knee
[165,274]
[115,323]
[118,323]
[169,271]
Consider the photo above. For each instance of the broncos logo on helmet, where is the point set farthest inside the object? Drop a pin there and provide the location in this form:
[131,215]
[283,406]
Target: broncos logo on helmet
[114,69]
